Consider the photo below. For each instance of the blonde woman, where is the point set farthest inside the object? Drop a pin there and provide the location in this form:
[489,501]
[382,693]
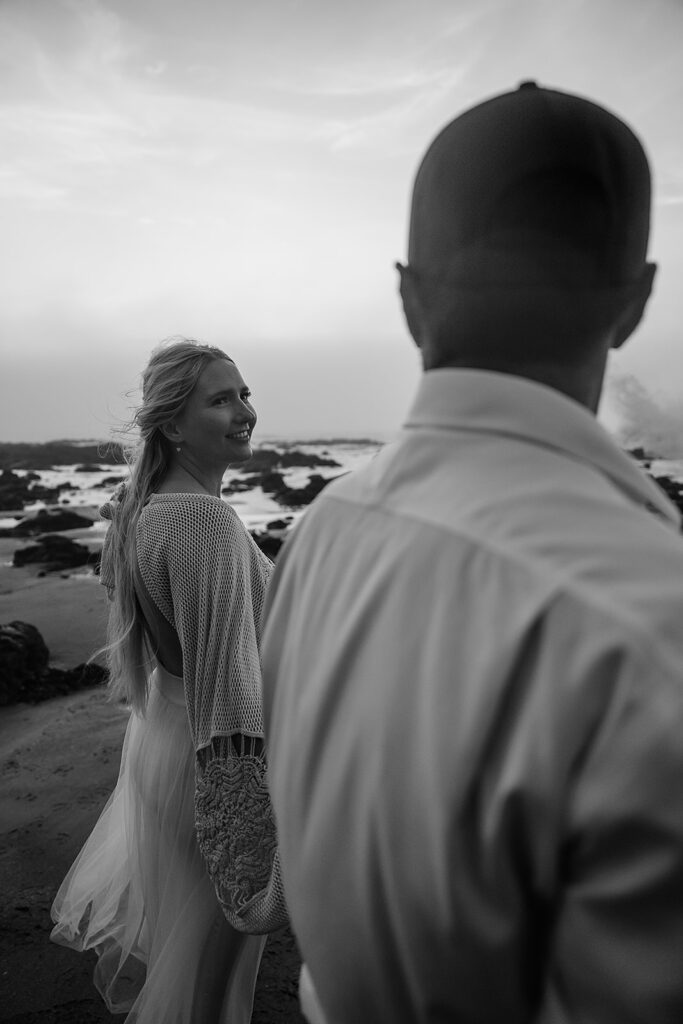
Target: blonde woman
[183,860]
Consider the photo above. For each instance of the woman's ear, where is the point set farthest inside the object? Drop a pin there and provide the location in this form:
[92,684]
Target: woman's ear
[172,433]
[635,308]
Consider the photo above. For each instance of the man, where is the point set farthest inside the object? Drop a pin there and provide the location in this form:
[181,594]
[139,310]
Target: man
[473,651]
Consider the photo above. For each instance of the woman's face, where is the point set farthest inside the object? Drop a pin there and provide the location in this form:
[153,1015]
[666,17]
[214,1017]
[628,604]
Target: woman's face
[216,424]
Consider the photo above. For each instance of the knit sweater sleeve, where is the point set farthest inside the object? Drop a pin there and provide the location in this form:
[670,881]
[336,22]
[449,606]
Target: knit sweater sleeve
[208,578]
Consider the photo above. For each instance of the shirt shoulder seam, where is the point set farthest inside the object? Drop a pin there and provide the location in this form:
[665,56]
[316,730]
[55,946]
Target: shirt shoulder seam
[560,585]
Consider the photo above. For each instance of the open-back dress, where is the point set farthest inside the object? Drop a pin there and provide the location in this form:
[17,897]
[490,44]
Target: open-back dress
[141,892]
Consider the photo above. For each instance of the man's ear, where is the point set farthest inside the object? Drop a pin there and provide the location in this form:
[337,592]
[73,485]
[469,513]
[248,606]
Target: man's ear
[635,308]
[412,307]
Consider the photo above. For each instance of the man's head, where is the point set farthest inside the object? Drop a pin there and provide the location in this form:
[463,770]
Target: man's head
[528,234]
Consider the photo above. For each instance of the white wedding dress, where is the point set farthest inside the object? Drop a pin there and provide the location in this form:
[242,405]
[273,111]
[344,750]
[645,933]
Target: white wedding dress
[140,892]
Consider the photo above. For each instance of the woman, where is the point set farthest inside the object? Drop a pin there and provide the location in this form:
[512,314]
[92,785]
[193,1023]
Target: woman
[190,809]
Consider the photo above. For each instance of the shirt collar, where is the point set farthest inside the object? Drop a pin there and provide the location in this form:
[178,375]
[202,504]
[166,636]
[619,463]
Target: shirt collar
[486,402]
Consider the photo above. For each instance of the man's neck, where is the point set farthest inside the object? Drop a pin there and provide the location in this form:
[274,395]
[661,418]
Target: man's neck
[581,383]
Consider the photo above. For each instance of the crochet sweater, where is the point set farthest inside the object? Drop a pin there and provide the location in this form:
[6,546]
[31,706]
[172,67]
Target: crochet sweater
[207,577]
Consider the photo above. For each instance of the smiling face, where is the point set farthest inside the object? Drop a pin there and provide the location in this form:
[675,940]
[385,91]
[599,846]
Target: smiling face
[214,429]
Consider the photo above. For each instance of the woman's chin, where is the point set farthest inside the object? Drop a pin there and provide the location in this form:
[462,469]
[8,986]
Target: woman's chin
[241,451]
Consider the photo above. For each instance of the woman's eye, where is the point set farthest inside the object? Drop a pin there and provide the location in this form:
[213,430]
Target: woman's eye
[226,399]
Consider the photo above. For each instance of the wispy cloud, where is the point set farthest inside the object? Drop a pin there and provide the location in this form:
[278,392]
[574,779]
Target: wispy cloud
[15,184]
[351,83]
[380,93]
[242,168]
[394,121]
[61,119]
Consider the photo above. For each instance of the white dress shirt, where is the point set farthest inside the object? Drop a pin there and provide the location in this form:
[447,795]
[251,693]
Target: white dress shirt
[473,690]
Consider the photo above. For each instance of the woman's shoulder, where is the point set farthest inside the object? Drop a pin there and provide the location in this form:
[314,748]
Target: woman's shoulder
[192,530]
[189,515]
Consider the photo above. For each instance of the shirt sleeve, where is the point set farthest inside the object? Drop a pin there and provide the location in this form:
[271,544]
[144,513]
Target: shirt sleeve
[571,844]
[618,942]
[580,821]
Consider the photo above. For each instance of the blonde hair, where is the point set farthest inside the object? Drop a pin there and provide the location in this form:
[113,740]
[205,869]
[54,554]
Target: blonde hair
[167,383]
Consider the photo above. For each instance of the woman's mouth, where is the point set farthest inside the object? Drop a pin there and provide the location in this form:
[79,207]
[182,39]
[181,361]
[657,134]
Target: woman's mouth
[241,435]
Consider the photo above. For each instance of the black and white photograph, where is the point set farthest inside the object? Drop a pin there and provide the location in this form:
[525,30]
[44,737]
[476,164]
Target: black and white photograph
[341,512]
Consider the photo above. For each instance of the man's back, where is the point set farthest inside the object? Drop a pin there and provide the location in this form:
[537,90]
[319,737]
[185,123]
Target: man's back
[479,706]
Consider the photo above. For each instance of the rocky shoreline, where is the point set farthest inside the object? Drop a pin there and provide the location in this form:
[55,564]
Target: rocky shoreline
[23,469]
[54,539]
[58,540]
[21,466]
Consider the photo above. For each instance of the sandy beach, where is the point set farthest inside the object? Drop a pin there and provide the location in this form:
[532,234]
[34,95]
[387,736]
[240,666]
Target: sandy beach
[59,761]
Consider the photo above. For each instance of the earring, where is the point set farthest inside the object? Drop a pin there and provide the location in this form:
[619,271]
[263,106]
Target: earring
[178,449]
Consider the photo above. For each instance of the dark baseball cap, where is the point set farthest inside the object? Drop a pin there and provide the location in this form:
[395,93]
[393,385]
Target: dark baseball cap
[534,186]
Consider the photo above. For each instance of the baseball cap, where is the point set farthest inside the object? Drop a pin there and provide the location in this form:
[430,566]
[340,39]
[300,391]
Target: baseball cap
[533,186]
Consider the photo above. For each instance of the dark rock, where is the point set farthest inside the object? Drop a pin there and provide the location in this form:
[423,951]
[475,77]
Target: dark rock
[641,455]
[55,553]
[319,442]
[25,672]
[268,544]
[672,488]
[279,524]
[17,491]
[88,467]
[24,659]
[111,481]
[296,458]
[49,520]
[13,490]
[236,486]
[296,497]
[293,497]
[57,681]
[265,459]
[57,453]
[272,482]
[262,460]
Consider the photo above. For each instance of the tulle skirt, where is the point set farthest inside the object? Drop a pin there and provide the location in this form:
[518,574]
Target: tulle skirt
[138,892]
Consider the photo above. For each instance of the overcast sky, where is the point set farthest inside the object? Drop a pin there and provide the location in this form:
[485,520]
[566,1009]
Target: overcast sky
[239,172]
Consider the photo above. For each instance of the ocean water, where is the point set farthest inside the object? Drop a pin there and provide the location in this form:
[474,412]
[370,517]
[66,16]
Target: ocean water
[254,507]
[672,468]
